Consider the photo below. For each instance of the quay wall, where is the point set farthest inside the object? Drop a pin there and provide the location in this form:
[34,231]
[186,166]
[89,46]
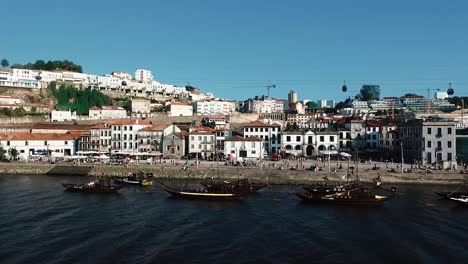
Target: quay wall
[272,175]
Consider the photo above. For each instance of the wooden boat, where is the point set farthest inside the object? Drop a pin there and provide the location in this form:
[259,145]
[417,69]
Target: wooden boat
[135,179]
[203,194]
[242,185]
[358,197]
[447,195]
[463,199]
[98,186]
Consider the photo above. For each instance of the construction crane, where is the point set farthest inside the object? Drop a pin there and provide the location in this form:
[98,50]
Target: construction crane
[269,86]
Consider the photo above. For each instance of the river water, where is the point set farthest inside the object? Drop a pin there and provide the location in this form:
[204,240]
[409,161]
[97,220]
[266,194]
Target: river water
[42,223]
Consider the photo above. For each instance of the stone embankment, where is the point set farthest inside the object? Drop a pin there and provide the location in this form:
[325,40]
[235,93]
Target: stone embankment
[272,175]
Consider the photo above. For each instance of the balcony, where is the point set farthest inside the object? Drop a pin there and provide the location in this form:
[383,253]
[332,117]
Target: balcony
[438,135]
[438,149]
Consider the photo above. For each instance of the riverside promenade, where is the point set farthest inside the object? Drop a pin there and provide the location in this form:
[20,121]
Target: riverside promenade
[273,172]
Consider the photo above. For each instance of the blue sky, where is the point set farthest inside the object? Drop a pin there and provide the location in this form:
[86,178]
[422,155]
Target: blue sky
[232,48]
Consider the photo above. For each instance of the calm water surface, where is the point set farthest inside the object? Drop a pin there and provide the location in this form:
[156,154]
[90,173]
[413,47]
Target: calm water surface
[41,223]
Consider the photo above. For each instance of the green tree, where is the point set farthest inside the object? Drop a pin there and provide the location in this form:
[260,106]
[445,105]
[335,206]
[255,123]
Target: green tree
[410,94]
[14,153]
[2,153]
[17,66]
[18,112]
[312,105]
[370,92]
[5,63]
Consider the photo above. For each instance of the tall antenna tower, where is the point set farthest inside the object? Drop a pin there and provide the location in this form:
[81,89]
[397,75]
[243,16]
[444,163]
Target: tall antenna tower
[269,86]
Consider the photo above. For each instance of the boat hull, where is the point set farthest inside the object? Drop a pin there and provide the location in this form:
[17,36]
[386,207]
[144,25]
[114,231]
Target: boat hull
[190,194]
[376,201]
[86,189]
[126,181]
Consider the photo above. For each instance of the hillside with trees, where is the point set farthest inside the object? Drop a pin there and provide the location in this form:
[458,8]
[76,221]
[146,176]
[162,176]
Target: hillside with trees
[64,65]
[79,100]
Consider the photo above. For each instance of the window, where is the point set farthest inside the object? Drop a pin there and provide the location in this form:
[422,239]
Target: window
[125,137]
[178,148]
[199,146]
[429,130]
[130,145]
[254,152]
[130,137]
[253,144]
[298,138]
[26,143]
[191,146]
[192,138]
[45,143]
[167,147]
[199,138]
[288,138]
[8,143]
[449,144]
[429,143]
[449,156]
[125,144]
[439,131]
[130,128]
[256,129]
[233,152]
[66,142]
[125,128]
[449,131]
[322,138]
[332,138]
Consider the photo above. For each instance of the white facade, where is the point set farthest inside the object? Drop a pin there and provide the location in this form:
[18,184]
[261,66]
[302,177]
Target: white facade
[8,100]
[141,106]
[107,112]
[180,109]
[202,143]
[239,148]
[267,106]
[29,144]
[22,78]
[125,135]
[270,133]
[61,116]
[213,107]
[122,75]
[309,143]
[144,76]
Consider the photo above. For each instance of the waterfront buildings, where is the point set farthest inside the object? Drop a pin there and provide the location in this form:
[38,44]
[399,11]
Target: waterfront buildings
[270,133]
[240,148]
[262,105]
[202,143]
[175,145]
[152,137]
[29,144]
[428,142]
[308,142]
[125,135]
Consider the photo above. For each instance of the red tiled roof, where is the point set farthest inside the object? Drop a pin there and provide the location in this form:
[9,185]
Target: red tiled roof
[179,103]
[12,136]
[130,122]
[374,123]
[239,138]
[159,127]
[112,107]
[95,108]
[260,124]
[52,126]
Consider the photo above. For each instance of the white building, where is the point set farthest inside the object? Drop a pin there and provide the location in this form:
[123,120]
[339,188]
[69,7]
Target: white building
[240,148]
[101,136]
[21,78]
[125,135]
[202,143]
[213,107]
[122,75]
[152,137]
[107,112]
[8,100]
[309,143]
[429,142]
[141,106]
[180,109]
[61,116]
[144,76]
[28,144]
[325,103]
[270,133]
